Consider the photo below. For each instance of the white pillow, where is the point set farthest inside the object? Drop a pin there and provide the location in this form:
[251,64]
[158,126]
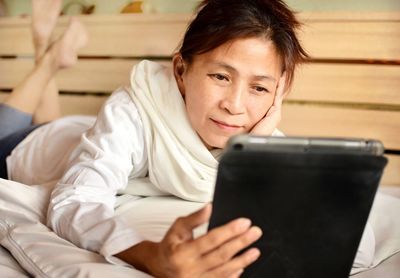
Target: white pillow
[39,250]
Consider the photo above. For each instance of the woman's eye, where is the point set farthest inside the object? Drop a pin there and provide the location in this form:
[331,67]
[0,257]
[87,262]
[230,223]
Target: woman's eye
[219,77]
[260,89]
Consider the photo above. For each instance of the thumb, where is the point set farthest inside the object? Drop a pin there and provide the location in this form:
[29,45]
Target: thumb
[268,124]
[199,217]
[281,91]
[271,110]
[182,229]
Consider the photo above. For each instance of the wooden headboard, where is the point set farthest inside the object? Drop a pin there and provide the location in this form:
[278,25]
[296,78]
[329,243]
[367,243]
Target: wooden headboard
[350,87]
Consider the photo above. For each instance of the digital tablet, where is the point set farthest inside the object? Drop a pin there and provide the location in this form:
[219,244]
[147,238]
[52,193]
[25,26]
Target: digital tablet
[310,196]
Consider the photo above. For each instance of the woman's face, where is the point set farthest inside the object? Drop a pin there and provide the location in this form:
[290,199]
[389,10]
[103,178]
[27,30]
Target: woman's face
[228,90]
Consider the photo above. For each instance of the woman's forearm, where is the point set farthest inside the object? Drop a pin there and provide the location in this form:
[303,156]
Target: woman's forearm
[140,255]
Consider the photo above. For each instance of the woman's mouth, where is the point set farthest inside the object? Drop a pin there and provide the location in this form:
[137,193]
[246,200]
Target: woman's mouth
[225,126]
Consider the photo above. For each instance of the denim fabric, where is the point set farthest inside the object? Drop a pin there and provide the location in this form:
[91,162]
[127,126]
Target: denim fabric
[12,120]
[8,143]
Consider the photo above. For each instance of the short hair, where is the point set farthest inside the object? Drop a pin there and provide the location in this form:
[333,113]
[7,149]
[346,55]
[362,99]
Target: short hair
[221,21]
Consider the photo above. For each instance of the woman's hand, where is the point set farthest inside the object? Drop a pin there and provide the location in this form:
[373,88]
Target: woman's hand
[211,255]
[267,125]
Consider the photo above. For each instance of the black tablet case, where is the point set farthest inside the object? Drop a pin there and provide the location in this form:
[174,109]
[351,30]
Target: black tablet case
[311,207]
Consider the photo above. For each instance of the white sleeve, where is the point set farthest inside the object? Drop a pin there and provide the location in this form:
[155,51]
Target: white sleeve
[81,207]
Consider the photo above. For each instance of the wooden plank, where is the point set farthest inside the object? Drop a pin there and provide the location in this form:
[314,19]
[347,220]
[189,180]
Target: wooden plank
[391,174]
[81,104]
[338,36]
[348,40]
[314,16]
[360,16]
[12,71]
[117,35]
[96,75]
[308,120]
[88,75]
[134,39]
[347,83]
[370,84]
[16,37]
[76,104]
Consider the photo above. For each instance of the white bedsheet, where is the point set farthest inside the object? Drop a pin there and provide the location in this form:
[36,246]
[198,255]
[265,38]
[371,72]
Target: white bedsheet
[9,267]
[385,222]
[42,253]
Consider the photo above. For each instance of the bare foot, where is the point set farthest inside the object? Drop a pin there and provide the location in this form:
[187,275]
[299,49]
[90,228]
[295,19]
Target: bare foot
[44,18]
[65,49]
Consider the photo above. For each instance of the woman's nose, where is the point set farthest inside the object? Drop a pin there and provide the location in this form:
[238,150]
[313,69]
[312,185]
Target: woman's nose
[234,101]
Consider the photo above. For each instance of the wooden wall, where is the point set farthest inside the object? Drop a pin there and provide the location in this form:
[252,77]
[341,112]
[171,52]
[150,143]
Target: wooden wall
[351,86]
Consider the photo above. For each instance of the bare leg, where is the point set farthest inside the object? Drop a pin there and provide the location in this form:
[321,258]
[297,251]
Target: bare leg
[62,54]
[74,38]
[44,17]
[49,107]
[27,95]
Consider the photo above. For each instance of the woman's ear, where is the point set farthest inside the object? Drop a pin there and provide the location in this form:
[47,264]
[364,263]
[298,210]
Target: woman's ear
[179,68]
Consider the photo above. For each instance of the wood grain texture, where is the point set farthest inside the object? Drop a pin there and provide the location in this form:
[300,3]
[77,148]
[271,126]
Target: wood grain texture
[370,84]
[310,120]
[76,104]
[374,36]
[88,75]
[81,104]
[349,40]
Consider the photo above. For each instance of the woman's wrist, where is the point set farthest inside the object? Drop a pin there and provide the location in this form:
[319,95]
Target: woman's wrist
[140,256]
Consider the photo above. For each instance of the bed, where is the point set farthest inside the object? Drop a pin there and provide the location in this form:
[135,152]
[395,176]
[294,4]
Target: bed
[30,248]
[348,88]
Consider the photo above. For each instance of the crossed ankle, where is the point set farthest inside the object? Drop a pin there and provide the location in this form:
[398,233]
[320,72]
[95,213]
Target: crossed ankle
[49,61]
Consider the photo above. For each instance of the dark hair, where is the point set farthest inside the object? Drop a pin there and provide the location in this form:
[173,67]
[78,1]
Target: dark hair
[221,21]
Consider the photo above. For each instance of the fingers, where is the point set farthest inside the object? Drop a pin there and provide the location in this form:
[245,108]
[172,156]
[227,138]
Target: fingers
[279,94]
[271,110]
[267,125]
[198,218]
[273,116]
[182,228]
[212,254]
[274,113]
[236,274]
[224,253]
[235,267]
[281,89]
[217,236]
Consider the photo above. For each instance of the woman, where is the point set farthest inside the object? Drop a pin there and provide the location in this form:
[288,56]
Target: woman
[230,76]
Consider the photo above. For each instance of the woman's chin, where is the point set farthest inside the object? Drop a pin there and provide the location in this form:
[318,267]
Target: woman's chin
[216,142]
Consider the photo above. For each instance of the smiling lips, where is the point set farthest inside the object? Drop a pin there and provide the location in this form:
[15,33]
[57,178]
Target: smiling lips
[225,126]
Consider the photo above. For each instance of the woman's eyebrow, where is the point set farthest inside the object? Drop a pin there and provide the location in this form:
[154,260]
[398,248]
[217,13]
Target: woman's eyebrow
[232,69]
[265,77]
[226,66]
